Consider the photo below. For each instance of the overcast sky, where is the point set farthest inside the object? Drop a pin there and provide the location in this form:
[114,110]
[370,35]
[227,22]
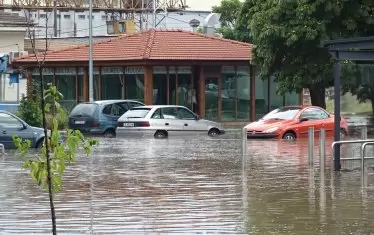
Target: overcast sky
[204,5]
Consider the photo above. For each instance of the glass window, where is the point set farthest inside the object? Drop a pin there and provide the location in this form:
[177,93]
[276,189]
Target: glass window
[276,100]
[228,94]
[184,87]
[117,110]
[243,89]
[186,114]
[211,98]
[80,78]
[66,17]
[170,113]
[96,78]
[172,85]
[81,17]
[107,109]
[84,109]
[134,104]
[159,85]
[8,121]
[261,96]
[124,105]
[283,113]
[157,114]
[314,114]
[137,113]
[111,83]
[66,84]
[134,82]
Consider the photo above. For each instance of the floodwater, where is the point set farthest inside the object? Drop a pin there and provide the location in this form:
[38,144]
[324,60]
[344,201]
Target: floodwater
[191,186]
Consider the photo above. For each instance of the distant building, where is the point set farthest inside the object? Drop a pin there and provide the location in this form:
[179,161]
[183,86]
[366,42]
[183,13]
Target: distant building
[12,36]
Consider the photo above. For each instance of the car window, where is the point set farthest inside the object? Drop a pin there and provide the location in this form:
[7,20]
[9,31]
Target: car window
[117,110]
[8,121]
[314,114]
[134,104]
[85,109]
[125,106]
[136,113]
[157,114]
[186,114]
[107,109]
[170,113]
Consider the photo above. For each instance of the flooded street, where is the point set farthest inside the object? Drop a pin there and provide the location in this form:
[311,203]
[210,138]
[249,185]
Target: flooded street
[194,186]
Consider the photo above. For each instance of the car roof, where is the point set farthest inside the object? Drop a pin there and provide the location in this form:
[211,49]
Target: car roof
[161,106]
[301,106]
[109,101]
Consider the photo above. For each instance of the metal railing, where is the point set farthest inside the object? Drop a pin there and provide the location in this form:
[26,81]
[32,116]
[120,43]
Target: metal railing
[322,148]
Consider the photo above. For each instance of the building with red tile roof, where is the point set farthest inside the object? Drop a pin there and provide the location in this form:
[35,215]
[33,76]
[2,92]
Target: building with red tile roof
[210,75]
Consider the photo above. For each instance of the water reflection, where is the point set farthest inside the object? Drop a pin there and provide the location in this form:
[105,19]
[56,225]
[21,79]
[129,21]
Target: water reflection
[148,186]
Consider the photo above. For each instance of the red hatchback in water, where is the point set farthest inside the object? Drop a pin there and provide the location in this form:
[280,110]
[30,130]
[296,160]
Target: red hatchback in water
[291,122]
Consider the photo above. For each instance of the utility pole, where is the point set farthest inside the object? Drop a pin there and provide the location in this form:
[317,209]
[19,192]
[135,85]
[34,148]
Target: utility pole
[90,59]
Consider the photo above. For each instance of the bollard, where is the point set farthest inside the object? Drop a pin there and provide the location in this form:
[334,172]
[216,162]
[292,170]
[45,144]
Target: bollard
[310,145]
[244,141]
[322,151]
[364,132]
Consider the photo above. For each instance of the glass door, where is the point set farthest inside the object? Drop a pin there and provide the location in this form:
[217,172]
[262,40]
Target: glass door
[211,98]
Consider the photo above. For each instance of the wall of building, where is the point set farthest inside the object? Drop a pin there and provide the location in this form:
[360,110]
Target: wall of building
[70,23]
[11,40]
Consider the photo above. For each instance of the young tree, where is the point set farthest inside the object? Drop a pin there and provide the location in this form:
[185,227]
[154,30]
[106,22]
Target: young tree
[47,169]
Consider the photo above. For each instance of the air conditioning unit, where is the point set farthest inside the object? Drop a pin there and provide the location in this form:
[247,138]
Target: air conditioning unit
[16,54]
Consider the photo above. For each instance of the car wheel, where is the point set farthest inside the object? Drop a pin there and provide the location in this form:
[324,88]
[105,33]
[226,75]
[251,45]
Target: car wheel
[109,134]
[342,133]
[40,144]
[214,132]
[161,134]
[289,136]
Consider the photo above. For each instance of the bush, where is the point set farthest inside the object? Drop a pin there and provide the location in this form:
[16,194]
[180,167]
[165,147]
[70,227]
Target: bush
[61,117]
[29,110]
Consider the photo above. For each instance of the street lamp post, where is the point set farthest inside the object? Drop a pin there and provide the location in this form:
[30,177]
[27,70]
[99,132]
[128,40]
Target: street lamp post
[90,59]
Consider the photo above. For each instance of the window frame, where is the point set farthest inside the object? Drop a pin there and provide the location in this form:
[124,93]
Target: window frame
[313,110]
[9,116]
[175,108]
[186,110]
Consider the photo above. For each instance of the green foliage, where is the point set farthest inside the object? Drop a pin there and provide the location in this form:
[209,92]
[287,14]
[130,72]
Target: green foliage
[229,10]
[29,110]
[61,152]
[287,36]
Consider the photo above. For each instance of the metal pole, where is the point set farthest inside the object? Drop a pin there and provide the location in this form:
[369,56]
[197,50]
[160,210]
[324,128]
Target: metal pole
[322,152]
[244,141]
[90,59]
[364,132]
[310,145]
[337,71]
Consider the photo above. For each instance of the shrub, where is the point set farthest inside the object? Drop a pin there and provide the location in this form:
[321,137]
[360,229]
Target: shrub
[29,110]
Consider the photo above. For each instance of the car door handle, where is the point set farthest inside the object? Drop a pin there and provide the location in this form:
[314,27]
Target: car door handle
[166,124]
[185,124]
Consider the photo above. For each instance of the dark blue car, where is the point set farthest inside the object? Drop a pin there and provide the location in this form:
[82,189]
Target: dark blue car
[11,125]
[99,117]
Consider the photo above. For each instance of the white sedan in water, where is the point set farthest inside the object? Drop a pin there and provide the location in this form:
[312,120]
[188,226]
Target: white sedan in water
[162,121]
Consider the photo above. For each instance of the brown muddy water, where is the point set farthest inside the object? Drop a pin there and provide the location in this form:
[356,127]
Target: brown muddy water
[191,186]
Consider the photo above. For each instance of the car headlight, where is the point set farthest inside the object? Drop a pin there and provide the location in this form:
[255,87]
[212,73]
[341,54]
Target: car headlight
[271,130]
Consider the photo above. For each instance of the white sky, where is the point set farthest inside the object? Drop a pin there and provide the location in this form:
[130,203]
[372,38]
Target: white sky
[203,5]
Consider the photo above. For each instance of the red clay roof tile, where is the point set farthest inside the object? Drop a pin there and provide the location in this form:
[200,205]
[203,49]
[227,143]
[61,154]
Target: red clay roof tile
[154,45]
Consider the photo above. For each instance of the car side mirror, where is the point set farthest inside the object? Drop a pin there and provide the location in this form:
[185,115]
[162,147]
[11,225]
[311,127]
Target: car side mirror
[304,119]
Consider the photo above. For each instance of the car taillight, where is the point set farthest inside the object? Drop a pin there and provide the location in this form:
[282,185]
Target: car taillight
[95,123]
[144,124]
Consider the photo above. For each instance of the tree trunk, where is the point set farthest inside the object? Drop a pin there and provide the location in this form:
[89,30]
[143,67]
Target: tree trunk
[47,150]
[318,97]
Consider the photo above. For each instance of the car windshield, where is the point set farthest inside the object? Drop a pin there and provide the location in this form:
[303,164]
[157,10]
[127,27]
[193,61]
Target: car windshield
[83,110]
[136,113]
[284,113]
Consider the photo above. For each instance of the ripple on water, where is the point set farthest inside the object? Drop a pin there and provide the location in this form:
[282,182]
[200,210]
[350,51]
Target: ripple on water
[193,185]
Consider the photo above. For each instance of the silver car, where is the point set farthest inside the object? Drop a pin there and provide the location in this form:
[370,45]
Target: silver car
[162,121]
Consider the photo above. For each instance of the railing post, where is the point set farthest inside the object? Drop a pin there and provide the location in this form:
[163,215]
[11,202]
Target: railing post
[364,132]
[244,141]
[322,151]
[310,145]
